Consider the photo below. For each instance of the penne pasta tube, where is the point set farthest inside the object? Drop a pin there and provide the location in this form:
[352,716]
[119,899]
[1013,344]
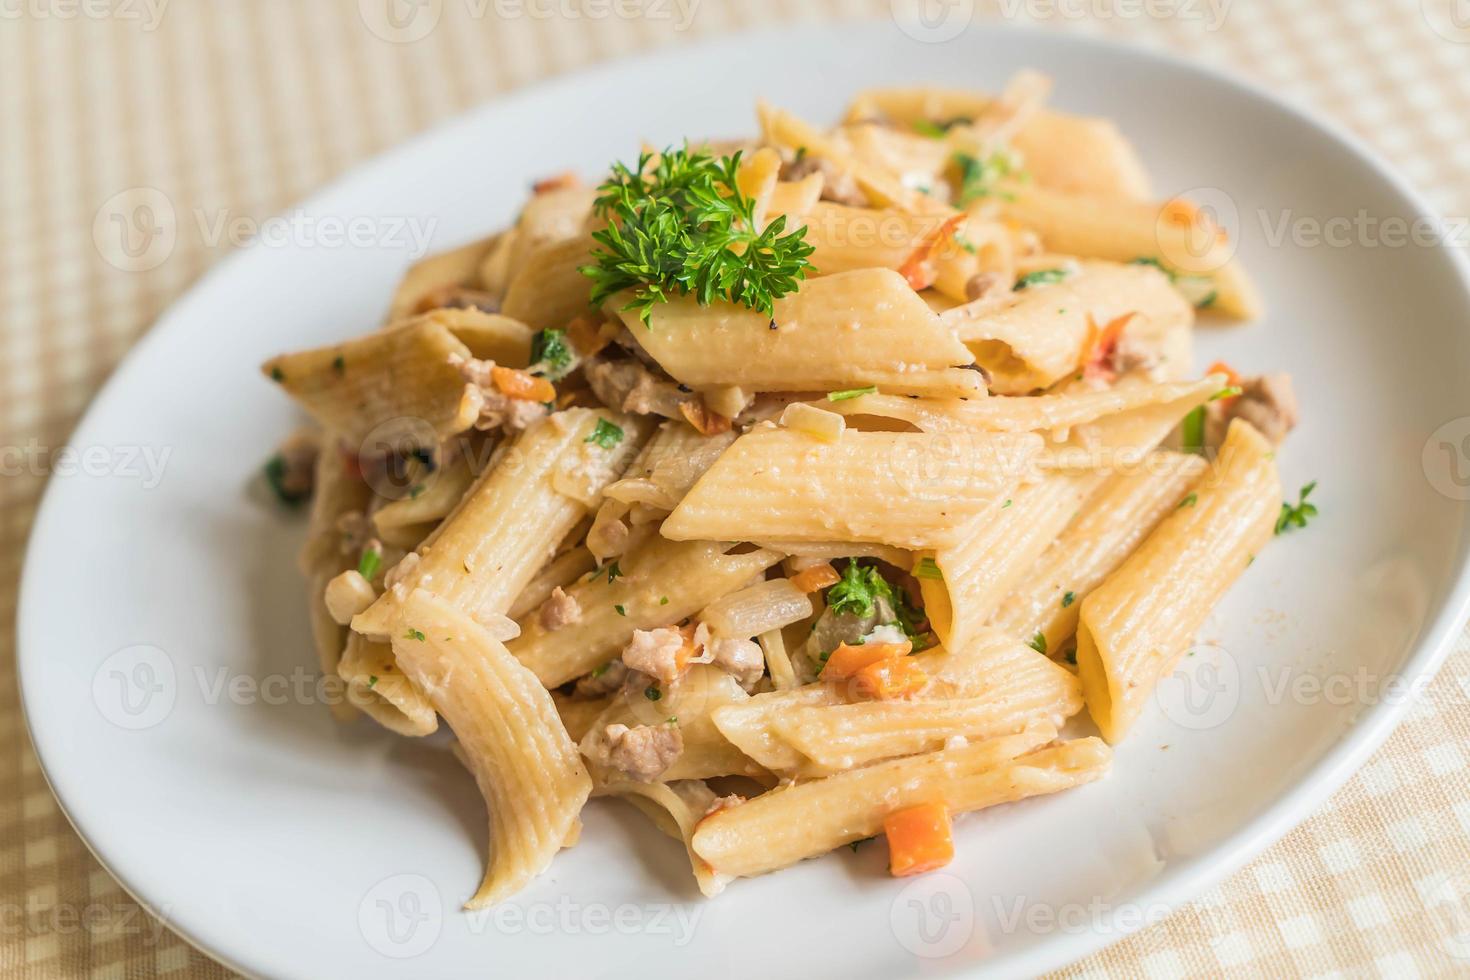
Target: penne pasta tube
[578,715]
[907,490]
[489,336]
[549,290]
[671,462]
[676,808]
[1037,413]
[1064,152]
[802,820]
[1125,231]
[1123,511]
[512,740]
[509,523]
[660,583]
[994,549]
[1047,331]
[865,327]
[381,691]
[1136,625]
[1025,688]
[456,267]
[438,496]
[404,378]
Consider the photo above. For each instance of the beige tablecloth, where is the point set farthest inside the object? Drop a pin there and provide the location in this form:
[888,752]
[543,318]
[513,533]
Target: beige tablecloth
[239,108]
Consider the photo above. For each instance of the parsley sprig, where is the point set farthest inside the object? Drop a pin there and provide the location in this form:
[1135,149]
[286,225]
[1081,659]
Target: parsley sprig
[682,225]
[1297,516]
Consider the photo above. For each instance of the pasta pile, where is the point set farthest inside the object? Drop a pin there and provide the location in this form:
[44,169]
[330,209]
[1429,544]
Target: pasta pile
[797,490]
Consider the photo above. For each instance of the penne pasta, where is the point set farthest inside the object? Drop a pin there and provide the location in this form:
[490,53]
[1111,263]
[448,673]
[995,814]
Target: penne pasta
[1137,624]
[907,490]
[511,738]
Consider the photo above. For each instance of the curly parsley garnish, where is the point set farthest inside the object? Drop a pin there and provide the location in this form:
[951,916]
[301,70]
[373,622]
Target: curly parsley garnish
[1299,515]
[683,226]
[858,591]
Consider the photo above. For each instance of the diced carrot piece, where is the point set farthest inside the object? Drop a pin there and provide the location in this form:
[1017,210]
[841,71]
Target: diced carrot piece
[705,422]
[1180,212]
[519,384]
[556,182]
[892,677]
[920,839]
[916,270]
[848,659]
[817,577]
[686,652]
[1100,345]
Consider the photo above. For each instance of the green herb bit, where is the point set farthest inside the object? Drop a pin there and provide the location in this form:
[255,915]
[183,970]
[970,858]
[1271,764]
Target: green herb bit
[1068,599]
[275,475]
[652,693]
[605,434]
[551,353]
[928,568]
[414,634]
[277,374]
[682,226]
[930,128]
[980,178]
[663,601]
[1189,500]
[845,394]
[1038,643]
[1192,432]
[372,680]
[369,563]
[1299,515]
[1006,504]
[620,610]
[1041,277]
[1227,392]
[339,364]
[614,571]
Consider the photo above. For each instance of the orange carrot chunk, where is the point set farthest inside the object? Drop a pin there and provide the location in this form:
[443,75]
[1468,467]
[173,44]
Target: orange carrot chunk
[893,677]
[847,659]
[919,839]
[817,577]
[519,384]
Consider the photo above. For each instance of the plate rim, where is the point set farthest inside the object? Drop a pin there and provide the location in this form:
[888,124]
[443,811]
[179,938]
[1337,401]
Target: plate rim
[1181,880]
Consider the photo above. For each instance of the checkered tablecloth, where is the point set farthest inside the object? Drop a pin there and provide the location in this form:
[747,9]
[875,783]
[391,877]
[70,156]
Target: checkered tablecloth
[239,107]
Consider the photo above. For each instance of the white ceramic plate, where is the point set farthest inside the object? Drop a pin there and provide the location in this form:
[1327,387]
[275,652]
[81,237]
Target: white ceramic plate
[287,846]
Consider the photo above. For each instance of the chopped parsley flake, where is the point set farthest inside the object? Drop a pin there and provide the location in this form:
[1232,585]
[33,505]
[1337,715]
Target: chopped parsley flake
[1038,642]
[664,601]
[372,680]
[368,564]
[928,568]
[1192,432]
[277,374]
[605,434]
[1189,500]
[614,571]
[652,693]
[1006,504]
[980,178]
[1299,515]
[930,128]
[551,355]
[1041,277]
[1229,392]
[339,364]
[275,475]
[1068,599]
[414,634]
[620,610]
[844,395]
